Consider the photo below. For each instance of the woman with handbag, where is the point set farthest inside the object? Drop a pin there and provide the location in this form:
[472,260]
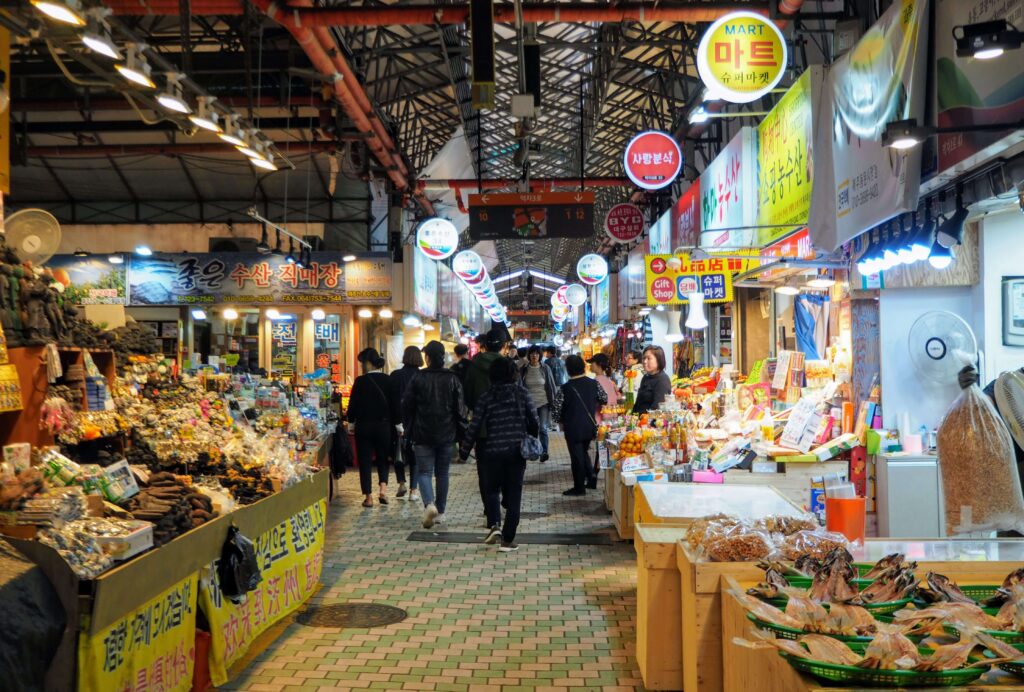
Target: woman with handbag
[373,409]
[576,407]
[510,419]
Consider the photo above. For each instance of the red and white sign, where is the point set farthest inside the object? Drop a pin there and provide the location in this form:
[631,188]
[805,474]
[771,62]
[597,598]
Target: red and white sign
[686,220]
[658,266]
[662,289]
[624,223]
[795,246]
[653,160]
[468,266]
[592,269]
[437,238]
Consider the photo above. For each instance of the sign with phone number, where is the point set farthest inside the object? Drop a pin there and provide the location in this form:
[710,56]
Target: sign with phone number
[670,278]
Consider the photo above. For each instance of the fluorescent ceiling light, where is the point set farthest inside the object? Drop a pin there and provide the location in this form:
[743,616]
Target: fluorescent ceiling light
[273,313]
[135,69]
[365,313]
[348,258]
[266,163]
[101,44]
[506,277]
[386,313]
[548,277]
[115,259]
[205,117]
[171,98]
[66,12]
[786,290]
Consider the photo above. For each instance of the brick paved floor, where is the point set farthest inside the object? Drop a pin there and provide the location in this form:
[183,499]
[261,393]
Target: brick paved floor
[547,617]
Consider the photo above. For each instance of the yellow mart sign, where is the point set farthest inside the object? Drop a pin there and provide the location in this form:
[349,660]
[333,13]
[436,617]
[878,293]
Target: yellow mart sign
[785,162]
[670,279]
[741,57]
[290,558]
[150,648]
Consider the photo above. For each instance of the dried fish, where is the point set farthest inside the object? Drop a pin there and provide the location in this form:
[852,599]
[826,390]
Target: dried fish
[893,584]
[850,621]
[773,583]
[1003,594]
[948,656]
[891,560]
[1003,650]
[829,650]
[766,611]
[800,607]
[834,581]
[890,650]
[807,565]
[763,639]
[943,589]
[960,615]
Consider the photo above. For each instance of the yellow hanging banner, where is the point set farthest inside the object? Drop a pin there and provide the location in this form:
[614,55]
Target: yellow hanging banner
[290,558]
[150,648]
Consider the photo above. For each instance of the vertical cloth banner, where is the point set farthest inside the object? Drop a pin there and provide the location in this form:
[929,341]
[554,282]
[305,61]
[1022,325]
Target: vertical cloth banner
[150,648]
[786,158]
[728,191]
[290,558]
[881,80]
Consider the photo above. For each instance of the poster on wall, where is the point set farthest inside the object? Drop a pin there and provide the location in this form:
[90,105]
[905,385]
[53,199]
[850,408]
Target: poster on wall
[686,221]
[671,278]
[424,276]
[880,81]
[728,195]
[241,277]
[785,159]
[89,280]
[974,92]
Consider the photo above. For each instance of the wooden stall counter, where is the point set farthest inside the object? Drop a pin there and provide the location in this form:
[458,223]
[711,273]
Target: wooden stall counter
[658,607]
[623,507]
[679,504]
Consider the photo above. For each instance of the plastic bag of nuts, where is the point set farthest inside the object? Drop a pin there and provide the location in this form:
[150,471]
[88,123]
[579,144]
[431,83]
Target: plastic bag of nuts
[741,546]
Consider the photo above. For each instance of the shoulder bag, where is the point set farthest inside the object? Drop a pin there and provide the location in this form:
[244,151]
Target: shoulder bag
[530,447]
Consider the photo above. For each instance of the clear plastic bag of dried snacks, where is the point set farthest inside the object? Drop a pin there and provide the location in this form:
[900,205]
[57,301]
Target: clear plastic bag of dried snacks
[976,459]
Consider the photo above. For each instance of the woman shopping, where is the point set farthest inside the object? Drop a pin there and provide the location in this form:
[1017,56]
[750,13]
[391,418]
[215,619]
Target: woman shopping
[576,407]
[373,410]
[539,381]
[656,385]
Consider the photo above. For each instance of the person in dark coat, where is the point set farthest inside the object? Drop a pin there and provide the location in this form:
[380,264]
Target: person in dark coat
[555,365]
[412,361]
[373,411]
[576,407]
[509,415]
[656,385]
[462,362]
[434,415]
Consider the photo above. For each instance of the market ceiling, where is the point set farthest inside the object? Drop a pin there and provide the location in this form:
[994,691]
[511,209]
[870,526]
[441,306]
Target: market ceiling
[616,68]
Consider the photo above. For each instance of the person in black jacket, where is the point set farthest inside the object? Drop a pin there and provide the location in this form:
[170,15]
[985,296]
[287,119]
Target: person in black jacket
[373,410]
[576,407]
[434,416]
[656,385]
[505,408]
[412,361]
[462,362]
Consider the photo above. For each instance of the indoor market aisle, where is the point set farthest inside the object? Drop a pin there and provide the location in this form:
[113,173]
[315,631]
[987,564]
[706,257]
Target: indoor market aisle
[547,617]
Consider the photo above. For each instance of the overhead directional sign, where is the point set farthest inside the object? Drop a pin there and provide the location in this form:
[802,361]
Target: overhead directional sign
[495,216]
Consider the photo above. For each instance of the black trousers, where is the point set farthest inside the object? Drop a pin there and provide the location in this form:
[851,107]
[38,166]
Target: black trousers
[582,464]
[374,446]
[405,459]
[501,476]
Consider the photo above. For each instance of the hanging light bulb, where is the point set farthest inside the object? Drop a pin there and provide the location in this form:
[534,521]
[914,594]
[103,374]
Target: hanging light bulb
[232,134]
[318,314]
[135,68]
[171,98]
[263,247]
[265,159]
[96,36]
[250,145]
[695,318]
[205,117]
[290,257]
[230,314]
[301,261]
[674,334]
[67,11]
[941,256]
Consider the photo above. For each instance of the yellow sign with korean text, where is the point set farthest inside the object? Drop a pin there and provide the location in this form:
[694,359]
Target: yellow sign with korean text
[671,278]
[150,648]
[290,558]
[741,57]
[785,163]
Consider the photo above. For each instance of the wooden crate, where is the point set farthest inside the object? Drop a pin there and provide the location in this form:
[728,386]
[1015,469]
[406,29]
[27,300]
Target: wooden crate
[793,480]
[611,481]
[659,613]
[701,612]
[623,508]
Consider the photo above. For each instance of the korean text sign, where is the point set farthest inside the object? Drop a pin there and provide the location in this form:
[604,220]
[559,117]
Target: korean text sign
[290,558]
[150,648]
[670,278]
[785,160]
[741,57]
[652,160]
[184,279]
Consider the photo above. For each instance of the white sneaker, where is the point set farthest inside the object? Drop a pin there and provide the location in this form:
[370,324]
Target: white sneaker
[429,515]
[414,496]
[440,519]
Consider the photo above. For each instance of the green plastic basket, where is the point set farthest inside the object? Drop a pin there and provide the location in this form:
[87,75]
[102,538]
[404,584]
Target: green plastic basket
[1011,637]
[833,672]
[783,632]
[979,592]
[887,608]
[1013,668]
[805,582]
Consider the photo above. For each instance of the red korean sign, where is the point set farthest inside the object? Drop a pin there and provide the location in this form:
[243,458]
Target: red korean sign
[624,223]
[741,57]
[686,221]
[653,160]
[796,246]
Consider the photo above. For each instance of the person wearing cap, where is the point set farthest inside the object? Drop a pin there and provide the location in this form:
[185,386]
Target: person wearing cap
[434,416]
[576,407]
[373,411]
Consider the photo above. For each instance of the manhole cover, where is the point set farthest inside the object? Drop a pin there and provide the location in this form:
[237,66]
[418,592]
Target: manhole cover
[344,615]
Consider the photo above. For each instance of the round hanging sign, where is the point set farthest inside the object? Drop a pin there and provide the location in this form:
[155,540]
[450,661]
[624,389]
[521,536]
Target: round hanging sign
[558,298]
[559,313]
[592,269]
[468,266]
[437,238]
[653,160]
[576,295]
[741,57]
[624,223]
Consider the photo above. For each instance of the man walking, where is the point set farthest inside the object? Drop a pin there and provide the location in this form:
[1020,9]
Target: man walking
[556,366]
[462,362]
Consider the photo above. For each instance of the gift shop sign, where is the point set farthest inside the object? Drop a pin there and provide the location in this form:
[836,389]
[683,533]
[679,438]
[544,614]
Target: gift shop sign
[653,160]
[741,57]
[670,278]
[624,223]
[150,648]
[290,557]
[238,277]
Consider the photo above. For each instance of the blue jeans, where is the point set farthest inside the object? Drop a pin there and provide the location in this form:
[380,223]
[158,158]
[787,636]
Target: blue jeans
[433,461]
[544,414]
